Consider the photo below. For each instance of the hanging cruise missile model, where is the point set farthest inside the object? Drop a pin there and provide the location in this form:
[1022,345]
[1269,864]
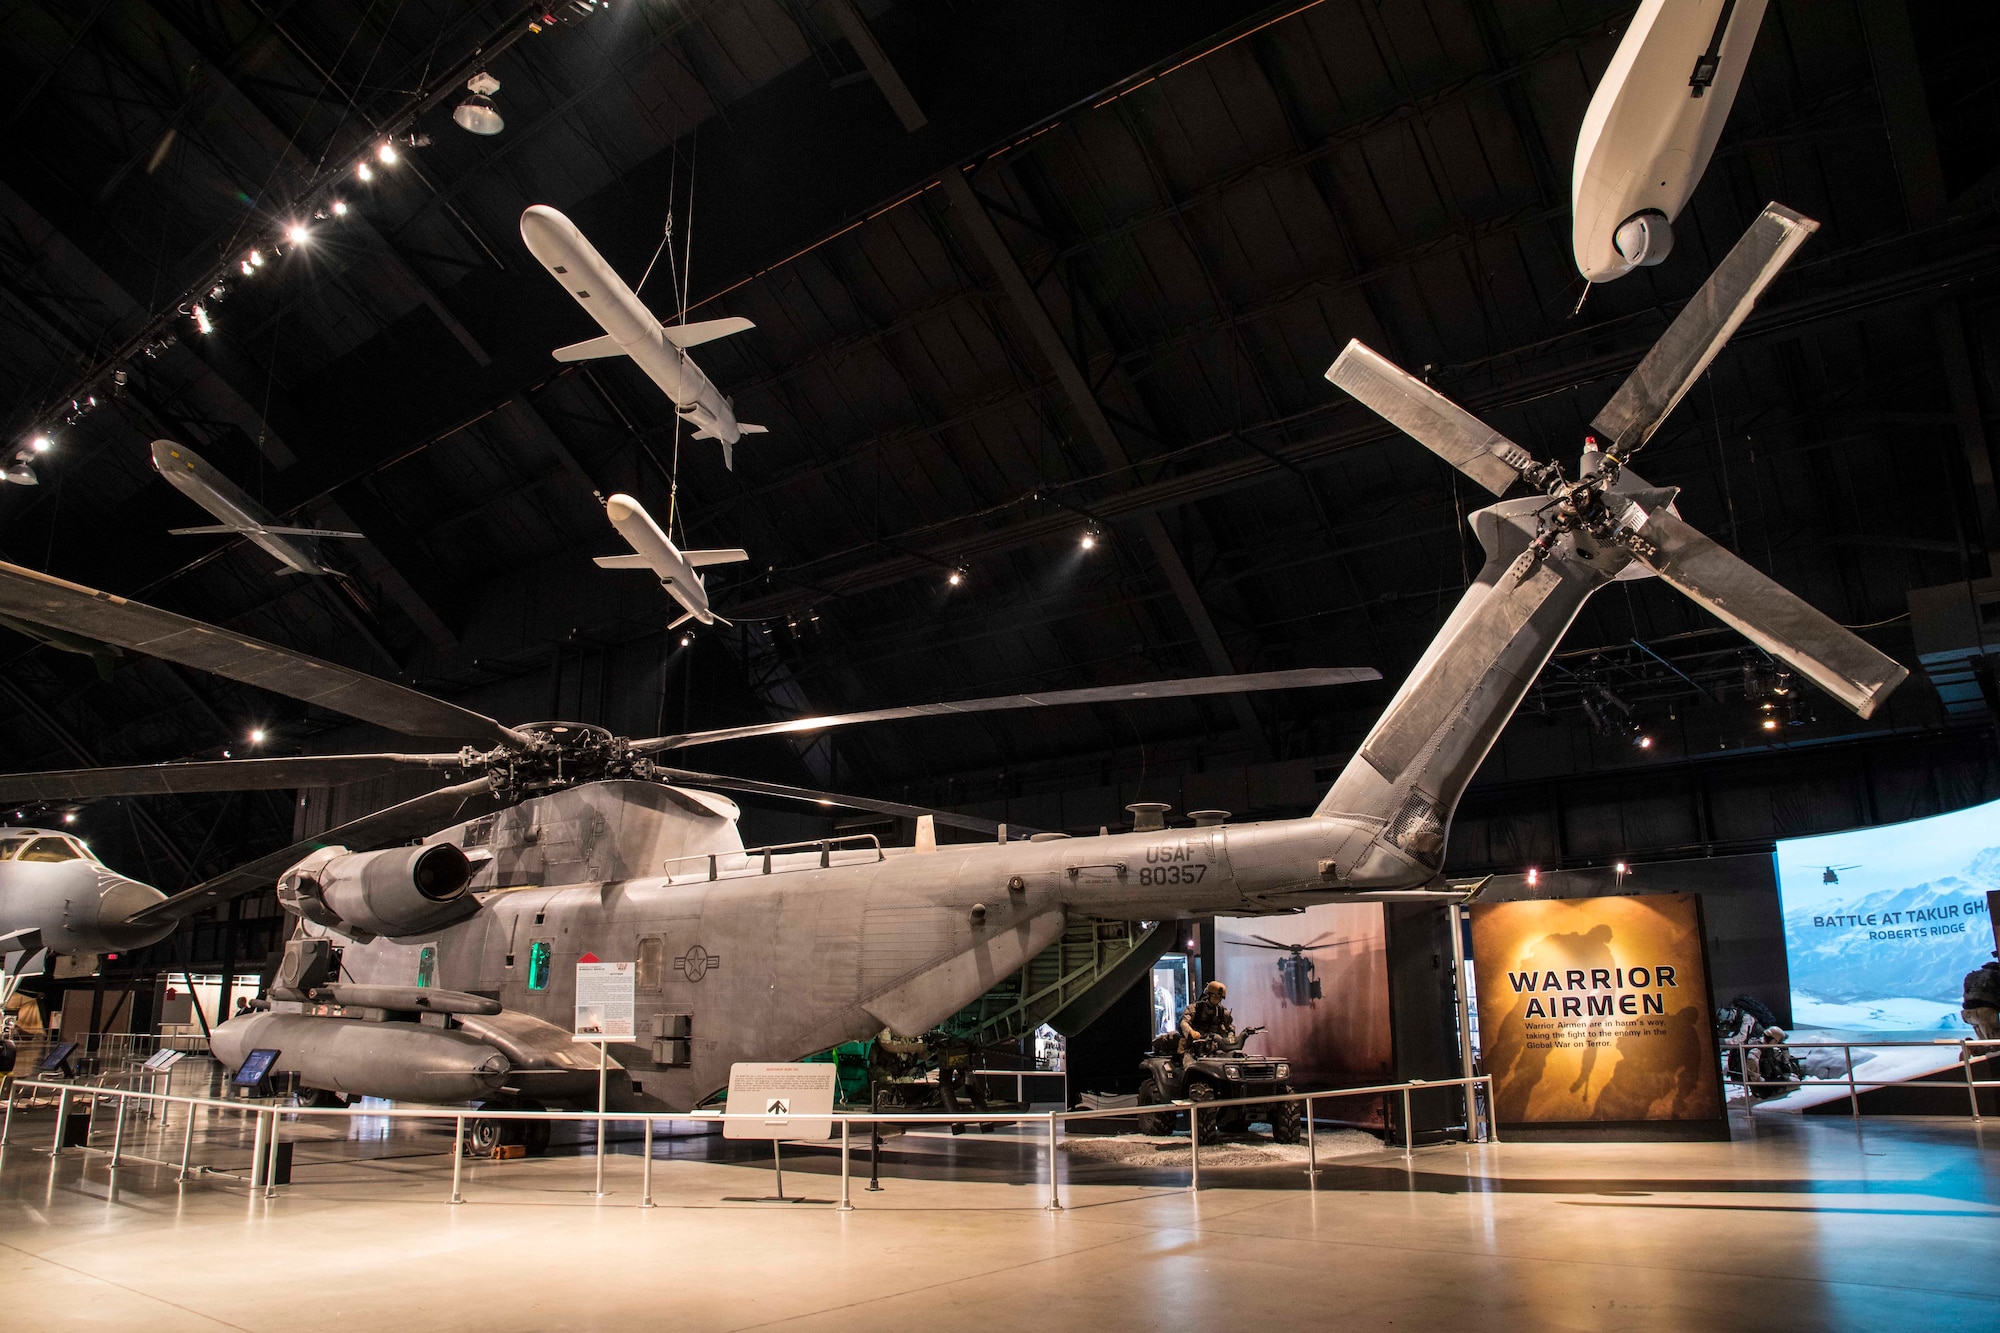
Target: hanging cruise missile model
[295,549]
[445,970]
[630,329]
[1652,126]
[653,550]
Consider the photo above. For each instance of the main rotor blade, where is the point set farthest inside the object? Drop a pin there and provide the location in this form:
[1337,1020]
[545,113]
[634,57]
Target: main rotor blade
[1097,694]
[1702,327]
[313,770]
[951,818]
[43,600]
[1769,615]
[1428,417]
[399,823]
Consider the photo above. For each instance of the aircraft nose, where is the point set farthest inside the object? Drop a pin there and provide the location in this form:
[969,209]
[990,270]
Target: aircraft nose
[117,902]
[620,507]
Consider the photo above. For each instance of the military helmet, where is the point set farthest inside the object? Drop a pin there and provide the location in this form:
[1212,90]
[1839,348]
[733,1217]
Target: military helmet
[1215,990]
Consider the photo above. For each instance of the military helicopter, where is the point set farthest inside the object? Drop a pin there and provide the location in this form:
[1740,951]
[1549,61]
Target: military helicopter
[441,969]
[1295,971]
[1831,874]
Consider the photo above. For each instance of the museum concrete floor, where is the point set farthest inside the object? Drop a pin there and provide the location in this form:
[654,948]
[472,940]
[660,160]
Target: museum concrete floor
[1808,1224]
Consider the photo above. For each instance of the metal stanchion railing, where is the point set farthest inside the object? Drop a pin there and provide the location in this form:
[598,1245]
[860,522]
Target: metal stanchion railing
[1055,1200]
[267,1120]
[1312,1148]
[1967,1056]
[646,1173]
[846,1201]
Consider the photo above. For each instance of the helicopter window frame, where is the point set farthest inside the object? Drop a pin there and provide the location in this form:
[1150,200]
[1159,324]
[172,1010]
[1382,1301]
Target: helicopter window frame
[9,846]
[541,957]
[55,841]
[652,962]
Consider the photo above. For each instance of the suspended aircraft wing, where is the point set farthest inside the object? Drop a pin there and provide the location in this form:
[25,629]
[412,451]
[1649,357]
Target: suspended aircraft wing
[42,599]
[399,823]
[1098,694]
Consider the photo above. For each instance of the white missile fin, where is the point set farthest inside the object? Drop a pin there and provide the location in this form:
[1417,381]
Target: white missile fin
[728,556]
[707,330]
[590,349]
[748,429]
[621,562]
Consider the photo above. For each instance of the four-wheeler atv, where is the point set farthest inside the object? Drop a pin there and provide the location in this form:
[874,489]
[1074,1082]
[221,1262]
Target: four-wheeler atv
[1210,1070]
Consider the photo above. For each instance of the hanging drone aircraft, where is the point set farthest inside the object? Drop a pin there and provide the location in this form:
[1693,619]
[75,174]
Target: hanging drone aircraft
[630,329]
[295,549]
[564,840]
[1651,127]
[655,551]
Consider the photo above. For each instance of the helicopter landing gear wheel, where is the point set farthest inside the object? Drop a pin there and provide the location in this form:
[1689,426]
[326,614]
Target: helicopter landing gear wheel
[483,1136]
[1207,1125]
[1286,1123]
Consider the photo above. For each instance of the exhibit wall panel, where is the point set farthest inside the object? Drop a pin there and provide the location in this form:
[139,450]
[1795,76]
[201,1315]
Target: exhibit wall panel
[1740,905]
[1594,1012]
[1341,1035]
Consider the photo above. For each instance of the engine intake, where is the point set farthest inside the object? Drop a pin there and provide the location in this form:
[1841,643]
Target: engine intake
[396,892]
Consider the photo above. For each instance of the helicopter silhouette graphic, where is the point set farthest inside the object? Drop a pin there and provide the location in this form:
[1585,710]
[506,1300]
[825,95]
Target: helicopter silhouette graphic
[1299,981]
[1831,874]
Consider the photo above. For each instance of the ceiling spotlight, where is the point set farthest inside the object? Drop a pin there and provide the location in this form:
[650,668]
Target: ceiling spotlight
[340,206]
[477,112]
[297,233]
[1534,877]
[227,755]
[69,817]
[1644,742]
[202,321]
[956,577]
[247,270]
[256,259]
[1089,541]
[217,292]
[364,171]
[41,444]
[387,153]
[1770,724]
[256,735]
[1622,867]
[687,640]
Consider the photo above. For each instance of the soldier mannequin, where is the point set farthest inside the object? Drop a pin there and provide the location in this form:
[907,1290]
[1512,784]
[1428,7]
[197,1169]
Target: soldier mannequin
[1207,1017]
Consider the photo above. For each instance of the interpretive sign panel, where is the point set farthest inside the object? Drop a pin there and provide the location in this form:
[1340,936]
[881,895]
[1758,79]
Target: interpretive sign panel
[605,996]
[160,1061]
[1883,923]
[794,1101]
[1595,1011]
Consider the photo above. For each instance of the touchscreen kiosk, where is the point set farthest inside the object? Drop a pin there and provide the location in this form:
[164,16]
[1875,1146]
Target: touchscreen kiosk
[256,1067]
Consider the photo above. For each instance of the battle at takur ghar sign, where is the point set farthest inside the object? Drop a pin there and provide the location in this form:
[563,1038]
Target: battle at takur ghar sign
[1595,1012]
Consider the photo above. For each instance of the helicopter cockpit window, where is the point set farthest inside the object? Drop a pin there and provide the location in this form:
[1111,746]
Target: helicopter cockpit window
[8,846]
[47,849]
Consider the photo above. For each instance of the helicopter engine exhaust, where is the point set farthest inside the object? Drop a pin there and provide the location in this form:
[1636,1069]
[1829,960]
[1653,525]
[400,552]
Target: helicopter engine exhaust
[395,892]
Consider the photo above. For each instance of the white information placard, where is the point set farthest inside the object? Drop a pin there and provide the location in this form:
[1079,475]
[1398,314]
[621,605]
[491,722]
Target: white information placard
[605,997]
[793,1101]
[160,1061]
